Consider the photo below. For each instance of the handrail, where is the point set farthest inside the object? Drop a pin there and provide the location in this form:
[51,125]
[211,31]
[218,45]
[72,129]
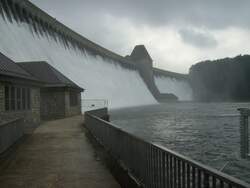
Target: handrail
[153,165]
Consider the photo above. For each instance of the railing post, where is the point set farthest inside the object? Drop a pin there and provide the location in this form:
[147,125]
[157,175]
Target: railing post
[244,135]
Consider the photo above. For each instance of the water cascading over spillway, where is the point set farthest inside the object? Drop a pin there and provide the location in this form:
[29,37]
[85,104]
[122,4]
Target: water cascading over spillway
[180,88]
[102,78]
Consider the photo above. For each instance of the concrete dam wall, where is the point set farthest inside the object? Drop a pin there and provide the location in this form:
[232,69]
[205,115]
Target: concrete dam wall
[29,34]
[171,82]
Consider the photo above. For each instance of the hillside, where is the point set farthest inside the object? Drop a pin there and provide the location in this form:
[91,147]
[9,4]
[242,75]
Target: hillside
[222,80]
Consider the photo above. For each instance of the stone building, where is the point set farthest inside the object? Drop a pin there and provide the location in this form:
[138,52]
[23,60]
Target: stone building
[60,97]
[19,93]
[19,102]
[30,92]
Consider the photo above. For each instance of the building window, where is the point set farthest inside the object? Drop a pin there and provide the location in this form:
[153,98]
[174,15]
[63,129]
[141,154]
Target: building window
[23,99]
[7,98]
[17,98]
[12,98]
[73,98]
[28,98]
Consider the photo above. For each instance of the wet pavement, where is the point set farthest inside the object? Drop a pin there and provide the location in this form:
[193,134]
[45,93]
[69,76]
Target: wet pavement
[58,154]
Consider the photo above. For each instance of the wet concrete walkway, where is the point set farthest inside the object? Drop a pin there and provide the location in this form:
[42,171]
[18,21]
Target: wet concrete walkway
[58,154]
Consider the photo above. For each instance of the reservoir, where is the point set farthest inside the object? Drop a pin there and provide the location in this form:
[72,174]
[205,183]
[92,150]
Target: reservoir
[206,132]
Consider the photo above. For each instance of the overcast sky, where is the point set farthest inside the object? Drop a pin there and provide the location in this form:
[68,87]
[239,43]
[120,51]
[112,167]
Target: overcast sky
[177,33]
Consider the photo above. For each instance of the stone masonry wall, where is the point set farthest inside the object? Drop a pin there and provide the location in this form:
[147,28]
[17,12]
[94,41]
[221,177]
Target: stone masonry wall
[52,104]
[31,117]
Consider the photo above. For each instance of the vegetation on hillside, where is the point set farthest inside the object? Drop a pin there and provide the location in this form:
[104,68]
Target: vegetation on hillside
[222,80]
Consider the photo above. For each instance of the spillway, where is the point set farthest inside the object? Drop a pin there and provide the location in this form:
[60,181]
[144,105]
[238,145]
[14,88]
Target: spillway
[180,88]
[102,78]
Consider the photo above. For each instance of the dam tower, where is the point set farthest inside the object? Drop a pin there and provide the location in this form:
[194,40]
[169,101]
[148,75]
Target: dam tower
[141,57]
[144,63]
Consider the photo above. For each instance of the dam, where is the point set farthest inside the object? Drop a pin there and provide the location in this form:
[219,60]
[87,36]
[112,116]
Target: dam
[30,34]
[147,97]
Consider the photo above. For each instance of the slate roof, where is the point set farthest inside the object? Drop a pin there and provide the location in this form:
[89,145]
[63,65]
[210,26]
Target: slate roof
[49,75]
[140,52]
[10,68]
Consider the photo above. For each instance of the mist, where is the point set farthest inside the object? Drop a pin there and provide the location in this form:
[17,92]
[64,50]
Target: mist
[180,88]
[102,78]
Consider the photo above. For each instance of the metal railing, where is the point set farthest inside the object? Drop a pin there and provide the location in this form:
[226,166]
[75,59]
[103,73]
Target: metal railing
[92,104]
[153,165]
[244,133]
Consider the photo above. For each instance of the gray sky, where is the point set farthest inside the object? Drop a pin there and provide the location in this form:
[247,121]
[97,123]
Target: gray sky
[177,33]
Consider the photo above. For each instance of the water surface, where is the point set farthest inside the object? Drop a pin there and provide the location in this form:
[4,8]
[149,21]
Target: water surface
[206,132]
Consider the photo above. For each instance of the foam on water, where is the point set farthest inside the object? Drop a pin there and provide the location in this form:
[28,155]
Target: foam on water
[179,88]
[102,78]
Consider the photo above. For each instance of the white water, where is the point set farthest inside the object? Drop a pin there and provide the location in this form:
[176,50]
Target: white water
[102,79]
[179,88]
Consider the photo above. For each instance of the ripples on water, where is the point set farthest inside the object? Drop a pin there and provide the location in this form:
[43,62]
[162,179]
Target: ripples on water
[206,132]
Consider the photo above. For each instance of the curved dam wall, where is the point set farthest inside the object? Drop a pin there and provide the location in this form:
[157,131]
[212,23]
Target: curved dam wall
[29,34]
[171,82]
[165,86]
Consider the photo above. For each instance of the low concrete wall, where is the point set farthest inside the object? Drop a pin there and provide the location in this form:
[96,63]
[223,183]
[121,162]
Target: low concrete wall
[100,113]
[10,132]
